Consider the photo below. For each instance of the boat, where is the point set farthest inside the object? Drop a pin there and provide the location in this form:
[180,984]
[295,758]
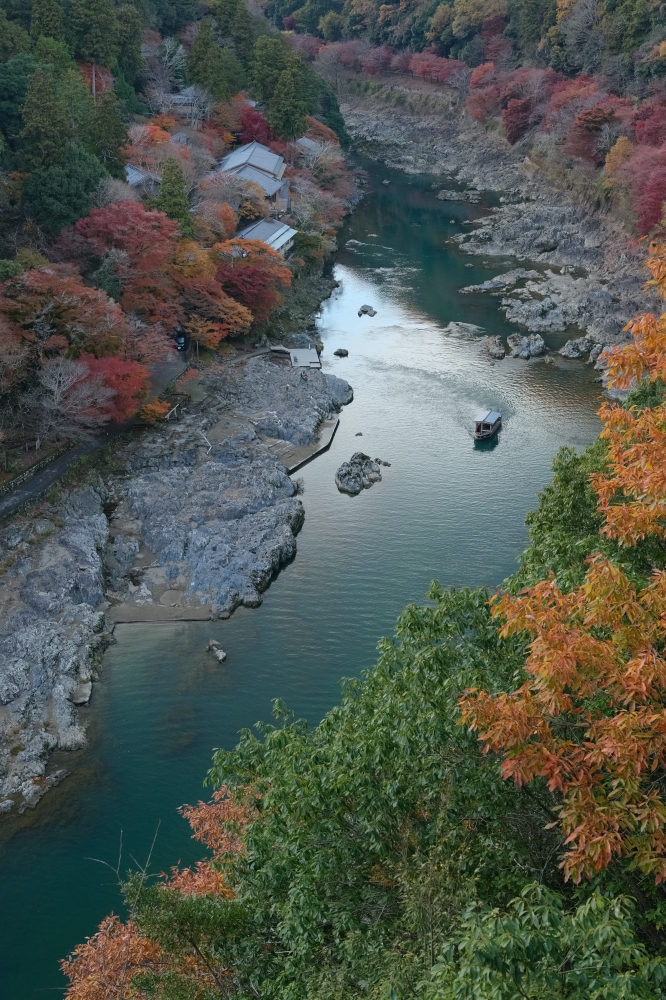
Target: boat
[486,424]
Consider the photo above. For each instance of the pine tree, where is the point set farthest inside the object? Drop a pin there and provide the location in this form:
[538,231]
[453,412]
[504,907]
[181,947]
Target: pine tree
[205,65]
[173,200]
[244,34]
[109,135]
[225,11]
[47,20]
[47,130]
[13,39]
[57,197]
[270,59]
[129,41]
[287,110]
[96,32]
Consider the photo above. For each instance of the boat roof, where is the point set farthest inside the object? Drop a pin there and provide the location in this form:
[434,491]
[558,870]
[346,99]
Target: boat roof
[487,416]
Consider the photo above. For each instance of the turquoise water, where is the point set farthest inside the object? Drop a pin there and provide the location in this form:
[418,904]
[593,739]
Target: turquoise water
[444,510]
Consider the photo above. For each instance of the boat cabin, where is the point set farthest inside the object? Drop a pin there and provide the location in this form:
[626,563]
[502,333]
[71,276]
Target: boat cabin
[486,423]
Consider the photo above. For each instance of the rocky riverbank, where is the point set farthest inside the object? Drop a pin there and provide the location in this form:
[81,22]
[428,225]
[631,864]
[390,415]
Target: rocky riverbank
[195,519]
[587,273]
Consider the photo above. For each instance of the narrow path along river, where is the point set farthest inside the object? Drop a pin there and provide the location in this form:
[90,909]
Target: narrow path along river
[444,510]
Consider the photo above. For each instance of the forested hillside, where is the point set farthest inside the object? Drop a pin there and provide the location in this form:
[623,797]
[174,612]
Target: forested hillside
[117,229]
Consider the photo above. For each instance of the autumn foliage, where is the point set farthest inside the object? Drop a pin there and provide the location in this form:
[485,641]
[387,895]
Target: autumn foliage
[106,966]
[589,720]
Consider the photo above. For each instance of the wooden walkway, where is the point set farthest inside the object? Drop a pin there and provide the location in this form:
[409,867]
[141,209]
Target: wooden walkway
[294,457]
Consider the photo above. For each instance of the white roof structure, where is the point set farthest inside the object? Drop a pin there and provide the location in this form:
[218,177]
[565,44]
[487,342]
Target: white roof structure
[254,154]
[306,143]
[487,417]
[275,234]
[185,96]
[136,177]
[305,357]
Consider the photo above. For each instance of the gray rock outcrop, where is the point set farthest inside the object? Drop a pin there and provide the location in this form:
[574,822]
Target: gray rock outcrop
[51,638]
[495,348]
[526,347]
[359,473]
[578,348]
[210,514]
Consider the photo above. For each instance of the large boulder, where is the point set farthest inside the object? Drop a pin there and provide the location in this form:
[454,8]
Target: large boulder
[577,348]
[359,473]
[526,347]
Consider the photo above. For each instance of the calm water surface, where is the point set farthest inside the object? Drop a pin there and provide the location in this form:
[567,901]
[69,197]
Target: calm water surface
[443,510]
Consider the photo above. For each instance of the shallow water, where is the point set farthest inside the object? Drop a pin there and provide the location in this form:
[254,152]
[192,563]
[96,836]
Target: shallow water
[444,510]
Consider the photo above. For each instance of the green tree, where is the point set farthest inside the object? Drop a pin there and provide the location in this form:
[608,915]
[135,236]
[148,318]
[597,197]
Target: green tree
[289,106]
[46,20]
[332,26]
[79,104]
[60,195]
[376,828]
[205,64]
[96,33]
[173,200]
[269,60]
[225,11]
[109,135]
[535,948]
[53,53]
[244,31]
[47,129]
[15,76]
[13,39]
[129,36]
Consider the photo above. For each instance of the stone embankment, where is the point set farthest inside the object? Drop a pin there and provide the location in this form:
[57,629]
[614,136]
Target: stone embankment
[591,272]
[199,516]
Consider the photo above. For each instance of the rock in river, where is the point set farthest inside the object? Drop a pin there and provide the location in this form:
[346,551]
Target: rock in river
[367,311]
[341,352]
[577,348]
[495,348]
[526,347]
[359,473]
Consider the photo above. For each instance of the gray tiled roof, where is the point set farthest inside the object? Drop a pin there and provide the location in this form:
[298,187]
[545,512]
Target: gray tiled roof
[269,184]
[256,155]
[270,231]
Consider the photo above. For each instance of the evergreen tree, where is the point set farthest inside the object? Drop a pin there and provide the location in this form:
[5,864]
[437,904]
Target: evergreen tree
[225,11]
[109,135]
[233,68]
[129,41]
[54,53]
[79,106]
[205,65]
[270,59]
[13,39]
[287,110]
[173,200]
[96,31]
[328,112]
[15,76]
[46,20]
[47,129]
[244,34]
[57,197]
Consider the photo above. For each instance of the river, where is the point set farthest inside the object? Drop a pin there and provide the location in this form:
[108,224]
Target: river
[444,510]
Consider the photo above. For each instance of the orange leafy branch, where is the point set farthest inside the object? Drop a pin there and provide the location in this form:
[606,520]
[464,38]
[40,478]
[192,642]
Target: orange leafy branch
[590,718]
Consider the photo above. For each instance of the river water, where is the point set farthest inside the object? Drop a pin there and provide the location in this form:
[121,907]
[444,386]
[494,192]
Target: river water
[444,510]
